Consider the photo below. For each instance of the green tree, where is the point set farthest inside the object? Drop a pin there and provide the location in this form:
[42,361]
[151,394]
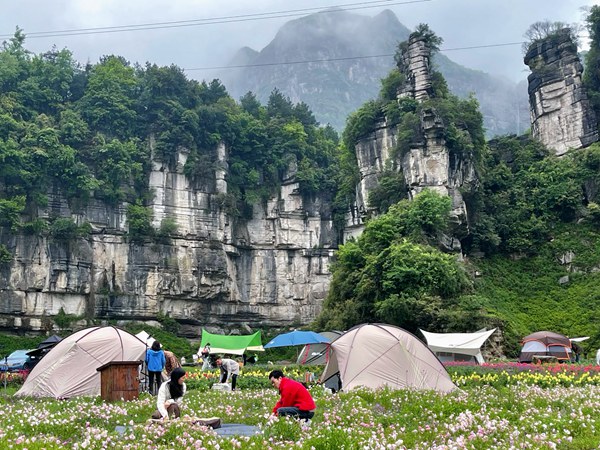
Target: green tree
[10,212]
[108,104]
[139,221]
[390,273]
[5,254]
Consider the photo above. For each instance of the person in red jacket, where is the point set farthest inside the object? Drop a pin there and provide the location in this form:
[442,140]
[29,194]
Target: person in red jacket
[295,399]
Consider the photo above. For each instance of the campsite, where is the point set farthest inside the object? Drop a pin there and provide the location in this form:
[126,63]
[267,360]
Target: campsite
[410,401]
[532,410]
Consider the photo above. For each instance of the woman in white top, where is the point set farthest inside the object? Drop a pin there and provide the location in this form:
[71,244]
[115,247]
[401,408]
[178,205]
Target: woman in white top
[170,396]
[230,369]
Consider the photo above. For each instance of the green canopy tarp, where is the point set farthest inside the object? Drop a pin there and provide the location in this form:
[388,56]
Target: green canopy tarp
[234,345]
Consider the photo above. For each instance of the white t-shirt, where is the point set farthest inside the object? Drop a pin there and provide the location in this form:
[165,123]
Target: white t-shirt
[164,395]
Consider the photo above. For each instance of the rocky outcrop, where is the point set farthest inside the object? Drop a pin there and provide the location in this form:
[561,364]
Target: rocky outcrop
[218,270]
[428,163]
[561,117]
[372,154]
[414,63]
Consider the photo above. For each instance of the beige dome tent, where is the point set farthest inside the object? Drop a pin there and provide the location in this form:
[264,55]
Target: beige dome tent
[379,355]
[69,369]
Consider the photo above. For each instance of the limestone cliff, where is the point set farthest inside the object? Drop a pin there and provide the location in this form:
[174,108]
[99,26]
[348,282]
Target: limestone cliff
[219,271]
[561,117]
[428,164]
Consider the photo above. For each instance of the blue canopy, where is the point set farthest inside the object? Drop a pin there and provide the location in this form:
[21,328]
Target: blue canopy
[297,338]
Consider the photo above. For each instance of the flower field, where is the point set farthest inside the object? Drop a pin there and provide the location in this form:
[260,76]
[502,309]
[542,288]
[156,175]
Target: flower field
[540,408]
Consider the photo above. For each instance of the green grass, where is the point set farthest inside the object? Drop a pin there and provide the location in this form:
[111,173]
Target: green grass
[526,295]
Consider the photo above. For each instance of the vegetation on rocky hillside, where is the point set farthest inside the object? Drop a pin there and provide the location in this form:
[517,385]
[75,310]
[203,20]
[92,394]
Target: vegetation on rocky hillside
[531,254]
[94,131]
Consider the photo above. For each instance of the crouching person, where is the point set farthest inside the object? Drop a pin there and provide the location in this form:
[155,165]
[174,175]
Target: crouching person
[295,399]
[230,369]
[170,396]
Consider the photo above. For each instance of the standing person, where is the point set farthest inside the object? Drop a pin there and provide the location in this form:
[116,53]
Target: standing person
[598,357]
[170,396]
[229,369]
[206,357]
[295,399]
[171,362]
[576,351]
[155,361]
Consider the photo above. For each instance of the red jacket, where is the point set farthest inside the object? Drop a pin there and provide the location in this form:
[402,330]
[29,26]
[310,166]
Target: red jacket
[294,394]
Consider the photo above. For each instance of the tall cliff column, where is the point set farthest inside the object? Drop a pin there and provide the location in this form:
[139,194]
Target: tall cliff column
[415,65]
[561,117]
[427,164]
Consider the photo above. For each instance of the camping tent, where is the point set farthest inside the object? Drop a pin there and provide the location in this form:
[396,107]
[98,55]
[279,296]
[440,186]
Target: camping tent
[43,349]
[457,346]
[318,354]
[50,341]
[145,337]
[233,345]
[545,344]
[69,369]
[378,355]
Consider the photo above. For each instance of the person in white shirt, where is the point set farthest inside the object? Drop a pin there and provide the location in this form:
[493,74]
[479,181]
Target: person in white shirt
[170,396]
[598,358]
[229,369]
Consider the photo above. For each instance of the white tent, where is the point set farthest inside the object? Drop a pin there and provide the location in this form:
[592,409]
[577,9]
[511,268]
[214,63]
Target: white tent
[318,354]
[457,346]
[145,337]
[379,355]
[69,369]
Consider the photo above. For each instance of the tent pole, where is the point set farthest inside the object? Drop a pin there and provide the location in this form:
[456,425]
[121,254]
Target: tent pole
[6,372]
[145,367]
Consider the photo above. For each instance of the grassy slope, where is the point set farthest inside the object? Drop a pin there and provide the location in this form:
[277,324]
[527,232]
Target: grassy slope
[526,294]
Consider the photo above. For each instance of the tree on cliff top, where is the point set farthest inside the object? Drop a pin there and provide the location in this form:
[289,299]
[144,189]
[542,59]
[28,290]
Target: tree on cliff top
[541,30]
[422,31]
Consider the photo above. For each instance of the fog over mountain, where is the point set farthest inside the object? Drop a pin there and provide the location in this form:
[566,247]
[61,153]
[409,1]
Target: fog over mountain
[336,83]
[200,36]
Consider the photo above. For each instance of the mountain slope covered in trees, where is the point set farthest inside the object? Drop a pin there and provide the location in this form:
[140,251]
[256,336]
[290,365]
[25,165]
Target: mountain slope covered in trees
[336,88]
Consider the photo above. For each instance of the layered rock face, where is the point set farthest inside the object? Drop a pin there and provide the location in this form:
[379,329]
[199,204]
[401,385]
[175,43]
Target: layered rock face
[427,164]
[561,117]
[220,272]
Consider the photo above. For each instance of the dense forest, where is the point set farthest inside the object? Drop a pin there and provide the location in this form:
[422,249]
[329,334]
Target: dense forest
[534,219]
[94,130]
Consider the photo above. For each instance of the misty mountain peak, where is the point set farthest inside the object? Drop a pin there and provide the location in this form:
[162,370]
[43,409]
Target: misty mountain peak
[337,78]
[243,56]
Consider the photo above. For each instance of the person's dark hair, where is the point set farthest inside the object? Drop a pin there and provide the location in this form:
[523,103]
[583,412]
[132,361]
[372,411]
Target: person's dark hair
[175,388]
[275,374]
[156,346]
[208,343]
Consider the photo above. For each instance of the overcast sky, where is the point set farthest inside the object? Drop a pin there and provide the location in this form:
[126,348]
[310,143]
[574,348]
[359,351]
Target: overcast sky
[461,23]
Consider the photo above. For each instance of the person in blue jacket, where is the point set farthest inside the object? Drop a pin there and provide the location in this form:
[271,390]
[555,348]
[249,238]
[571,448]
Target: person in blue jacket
[155,361]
